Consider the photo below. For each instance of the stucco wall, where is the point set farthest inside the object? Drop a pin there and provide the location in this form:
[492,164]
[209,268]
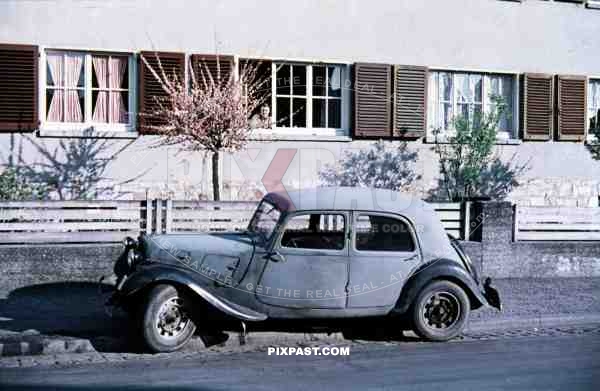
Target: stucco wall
[481,34]
[558,173]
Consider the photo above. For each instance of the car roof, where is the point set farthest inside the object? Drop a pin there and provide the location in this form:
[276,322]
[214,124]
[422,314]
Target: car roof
[349,198]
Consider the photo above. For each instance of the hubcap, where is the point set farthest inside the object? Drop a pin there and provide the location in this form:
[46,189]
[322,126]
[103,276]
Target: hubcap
[172,320]
[442,310]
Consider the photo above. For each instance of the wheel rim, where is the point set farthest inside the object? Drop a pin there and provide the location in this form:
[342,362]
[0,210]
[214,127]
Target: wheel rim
[441,311]
[171,319]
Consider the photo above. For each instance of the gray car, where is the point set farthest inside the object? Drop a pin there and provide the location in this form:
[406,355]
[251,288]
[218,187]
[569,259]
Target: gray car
[323,258]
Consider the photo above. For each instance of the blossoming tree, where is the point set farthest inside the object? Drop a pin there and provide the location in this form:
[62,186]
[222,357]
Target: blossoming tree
[210,112]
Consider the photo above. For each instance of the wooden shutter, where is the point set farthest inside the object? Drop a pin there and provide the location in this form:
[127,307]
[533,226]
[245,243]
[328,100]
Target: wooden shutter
[214,64]
[372,100]
[537,106]
[572,103]
[18,88]
[410,101]
[150,89]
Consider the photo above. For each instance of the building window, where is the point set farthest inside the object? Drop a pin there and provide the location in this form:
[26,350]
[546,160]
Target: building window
[110,89]
[453,94]
[327,97]
[85,90]
[65,92]
[594,106]
[311,97]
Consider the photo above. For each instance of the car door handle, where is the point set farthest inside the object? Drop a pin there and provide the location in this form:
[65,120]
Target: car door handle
[275,256]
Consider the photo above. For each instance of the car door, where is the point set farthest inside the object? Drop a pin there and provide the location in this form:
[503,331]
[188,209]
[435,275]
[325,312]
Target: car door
[308,266]
[383,252]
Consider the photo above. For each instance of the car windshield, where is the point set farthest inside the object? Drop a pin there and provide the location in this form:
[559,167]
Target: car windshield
[264,220]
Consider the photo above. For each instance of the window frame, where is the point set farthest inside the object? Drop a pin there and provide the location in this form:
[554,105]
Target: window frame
[309,130]
[88,128]
[406,221]
[591,138]
[299,251]
[434,102]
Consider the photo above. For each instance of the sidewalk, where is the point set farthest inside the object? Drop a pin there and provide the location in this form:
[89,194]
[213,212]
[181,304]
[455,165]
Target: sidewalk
[69,317]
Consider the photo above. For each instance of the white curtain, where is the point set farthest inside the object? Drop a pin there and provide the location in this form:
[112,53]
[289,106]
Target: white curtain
[73,109]
[101,72]
[117,66]
[55,65]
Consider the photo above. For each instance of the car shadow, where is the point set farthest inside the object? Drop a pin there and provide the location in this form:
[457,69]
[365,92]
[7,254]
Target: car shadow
[71,309]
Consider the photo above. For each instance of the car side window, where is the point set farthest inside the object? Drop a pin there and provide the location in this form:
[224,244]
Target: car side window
[382,233]
[320,231]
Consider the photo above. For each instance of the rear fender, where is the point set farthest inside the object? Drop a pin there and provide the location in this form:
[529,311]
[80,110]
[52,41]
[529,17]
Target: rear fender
[441,269]
[152,275]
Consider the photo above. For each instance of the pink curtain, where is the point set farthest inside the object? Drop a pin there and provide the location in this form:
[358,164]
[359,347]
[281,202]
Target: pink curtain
[117,66]
[101,71]
[55,63]
[73,109]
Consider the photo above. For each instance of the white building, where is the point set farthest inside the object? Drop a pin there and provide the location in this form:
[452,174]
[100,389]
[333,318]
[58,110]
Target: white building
[70,100]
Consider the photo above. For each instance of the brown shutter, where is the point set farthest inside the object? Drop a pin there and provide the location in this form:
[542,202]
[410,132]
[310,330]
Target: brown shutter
[572,103]
[18,88]
[150,89]
[224,64]
[372,100]
[537,106]
[410,101]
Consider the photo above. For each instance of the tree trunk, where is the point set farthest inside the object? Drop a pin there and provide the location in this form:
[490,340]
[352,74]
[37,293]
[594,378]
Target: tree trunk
[215,176]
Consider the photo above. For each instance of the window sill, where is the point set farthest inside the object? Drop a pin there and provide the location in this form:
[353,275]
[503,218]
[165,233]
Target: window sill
[593,5]
[88,133]
[499,141]
[295,134]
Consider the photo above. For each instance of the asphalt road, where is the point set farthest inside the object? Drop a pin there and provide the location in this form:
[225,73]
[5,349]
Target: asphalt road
[527,363]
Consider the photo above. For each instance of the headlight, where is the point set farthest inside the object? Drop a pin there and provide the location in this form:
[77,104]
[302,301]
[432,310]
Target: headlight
[133,257]
[129,242]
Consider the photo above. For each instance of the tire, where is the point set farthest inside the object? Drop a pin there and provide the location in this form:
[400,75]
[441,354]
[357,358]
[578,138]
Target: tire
[166,325]
[440,311]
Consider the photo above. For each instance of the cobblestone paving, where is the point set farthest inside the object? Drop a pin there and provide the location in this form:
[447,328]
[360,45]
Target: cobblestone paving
[64,360]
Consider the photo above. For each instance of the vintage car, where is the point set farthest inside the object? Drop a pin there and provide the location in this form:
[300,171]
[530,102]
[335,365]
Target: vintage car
[324,256]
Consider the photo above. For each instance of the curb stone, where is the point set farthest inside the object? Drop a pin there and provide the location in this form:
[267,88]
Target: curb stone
[43,346]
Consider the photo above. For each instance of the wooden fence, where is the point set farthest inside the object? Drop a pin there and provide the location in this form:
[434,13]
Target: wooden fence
[110,221]
[560,223]
[70,221]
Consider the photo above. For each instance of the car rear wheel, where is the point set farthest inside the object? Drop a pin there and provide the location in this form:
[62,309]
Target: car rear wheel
[166,324]
[441,311]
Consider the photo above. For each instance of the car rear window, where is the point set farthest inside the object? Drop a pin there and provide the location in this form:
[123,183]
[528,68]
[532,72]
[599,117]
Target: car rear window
[382,233]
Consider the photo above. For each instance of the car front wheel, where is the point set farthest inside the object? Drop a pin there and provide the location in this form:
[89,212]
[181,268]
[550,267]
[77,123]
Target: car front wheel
[166,324]
[440,311]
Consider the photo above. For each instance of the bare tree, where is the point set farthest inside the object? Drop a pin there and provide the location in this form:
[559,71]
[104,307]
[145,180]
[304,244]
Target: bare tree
[210,113]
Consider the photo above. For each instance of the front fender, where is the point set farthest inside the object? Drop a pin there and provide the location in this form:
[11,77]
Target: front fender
[172,274]
[441,269]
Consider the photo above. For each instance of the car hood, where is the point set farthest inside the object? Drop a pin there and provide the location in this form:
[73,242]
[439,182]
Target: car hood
[215,255]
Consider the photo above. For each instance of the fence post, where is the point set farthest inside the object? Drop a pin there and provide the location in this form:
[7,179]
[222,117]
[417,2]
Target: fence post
[158,216]
[515,233]
[149,216]
[466,219]
[168,215]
